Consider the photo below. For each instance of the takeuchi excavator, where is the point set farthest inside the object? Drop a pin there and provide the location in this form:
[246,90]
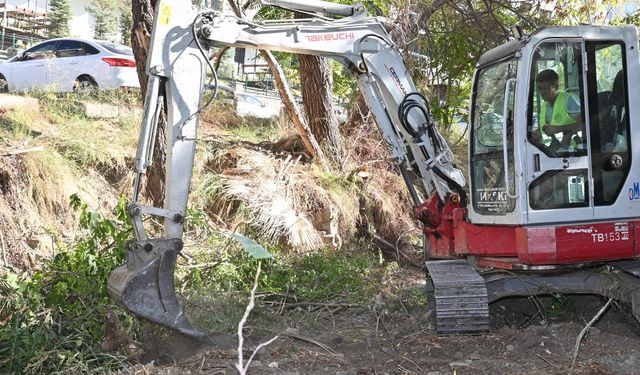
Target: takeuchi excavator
[557,210]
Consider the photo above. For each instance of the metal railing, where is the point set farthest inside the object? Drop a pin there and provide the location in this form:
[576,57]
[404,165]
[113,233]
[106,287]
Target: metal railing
[11,43]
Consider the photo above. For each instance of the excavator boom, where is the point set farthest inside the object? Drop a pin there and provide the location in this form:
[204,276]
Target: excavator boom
[177,66]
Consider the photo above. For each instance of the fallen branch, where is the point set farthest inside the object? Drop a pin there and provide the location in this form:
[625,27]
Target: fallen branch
[392,249]
[323,304]
[4,250]
[399,358]
[548,362]
[310,340]
[584,331]
[241,366]
[201,265]
[22,151]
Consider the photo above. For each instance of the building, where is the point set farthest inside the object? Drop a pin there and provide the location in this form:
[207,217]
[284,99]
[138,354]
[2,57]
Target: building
[24,22]
[21,25]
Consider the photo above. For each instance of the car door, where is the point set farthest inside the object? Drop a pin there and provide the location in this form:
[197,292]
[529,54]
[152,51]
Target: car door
[30,72]
[70,56]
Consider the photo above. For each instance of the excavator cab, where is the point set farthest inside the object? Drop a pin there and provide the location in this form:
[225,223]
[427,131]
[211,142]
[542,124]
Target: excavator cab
[577,171]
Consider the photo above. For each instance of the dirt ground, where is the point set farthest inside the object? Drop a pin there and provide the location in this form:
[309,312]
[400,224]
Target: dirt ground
[395,335]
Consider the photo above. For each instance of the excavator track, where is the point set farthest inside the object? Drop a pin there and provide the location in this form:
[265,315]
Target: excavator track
[460,294]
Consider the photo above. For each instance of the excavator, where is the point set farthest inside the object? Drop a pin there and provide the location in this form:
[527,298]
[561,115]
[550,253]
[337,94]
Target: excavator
[549,211]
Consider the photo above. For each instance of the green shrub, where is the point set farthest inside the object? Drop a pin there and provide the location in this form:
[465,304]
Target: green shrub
[53,319]
[320,276]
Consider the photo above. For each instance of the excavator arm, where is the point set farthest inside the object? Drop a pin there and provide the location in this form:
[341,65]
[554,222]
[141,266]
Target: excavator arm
[177,67]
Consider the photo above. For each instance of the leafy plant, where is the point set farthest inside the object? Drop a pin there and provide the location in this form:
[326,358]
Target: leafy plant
[53,318]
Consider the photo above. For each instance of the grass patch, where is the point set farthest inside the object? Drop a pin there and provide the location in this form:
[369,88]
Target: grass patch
[215,294]
[15,125]
[255,130]
[90,143]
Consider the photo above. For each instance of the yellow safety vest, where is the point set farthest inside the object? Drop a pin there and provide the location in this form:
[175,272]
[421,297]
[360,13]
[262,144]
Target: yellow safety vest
[559,116]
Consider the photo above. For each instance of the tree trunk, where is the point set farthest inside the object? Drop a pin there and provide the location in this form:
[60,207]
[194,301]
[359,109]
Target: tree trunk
[143,12]
[316,82]
[308,140]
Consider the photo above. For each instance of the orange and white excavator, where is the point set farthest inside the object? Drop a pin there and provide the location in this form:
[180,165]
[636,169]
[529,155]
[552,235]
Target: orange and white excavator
[558,208]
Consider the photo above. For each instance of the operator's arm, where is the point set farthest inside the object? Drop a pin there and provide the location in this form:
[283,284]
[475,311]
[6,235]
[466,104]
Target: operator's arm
[574,128]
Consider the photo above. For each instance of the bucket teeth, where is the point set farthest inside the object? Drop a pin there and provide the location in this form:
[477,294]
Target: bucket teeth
[144,284]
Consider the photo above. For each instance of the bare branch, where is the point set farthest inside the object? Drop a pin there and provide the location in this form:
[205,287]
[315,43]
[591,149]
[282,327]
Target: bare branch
[241,366]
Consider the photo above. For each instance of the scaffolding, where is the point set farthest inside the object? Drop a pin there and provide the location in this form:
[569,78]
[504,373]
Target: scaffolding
[20,26]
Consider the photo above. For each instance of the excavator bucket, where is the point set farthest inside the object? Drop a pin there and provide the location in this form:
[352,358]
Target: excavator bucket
[144,285]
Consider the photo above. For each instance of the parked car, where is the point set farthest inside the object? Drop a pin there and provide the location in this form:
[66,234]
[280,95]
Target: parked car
[68,64]
[249,105]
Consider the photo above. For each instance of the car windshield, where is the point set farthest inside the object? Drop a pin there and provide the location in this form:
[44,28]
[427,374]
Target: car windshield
[117,48]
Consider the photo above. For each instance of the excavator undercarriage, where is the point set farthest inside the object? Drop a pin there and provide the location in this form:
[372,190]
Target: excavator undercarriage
[462,295]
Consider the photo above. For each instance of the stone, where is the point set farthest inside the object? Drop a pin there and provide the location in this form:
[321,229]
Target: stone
[632,360]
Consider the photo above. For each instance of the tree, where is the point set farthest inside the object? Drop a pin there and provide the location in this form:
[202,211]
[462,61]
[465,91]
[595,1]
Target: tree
[59,16]
[104,16]
[316,84]
[125,21]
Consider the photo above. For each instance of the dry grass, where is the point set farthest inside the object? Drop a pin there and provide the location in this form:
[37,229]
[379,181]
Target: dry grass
[284,199]
[74,156]
[264,185]
[298,204]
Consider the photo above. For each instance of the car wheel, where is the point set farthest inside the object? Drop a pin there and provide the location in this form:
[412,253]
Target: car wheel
[84,85]
[4,85]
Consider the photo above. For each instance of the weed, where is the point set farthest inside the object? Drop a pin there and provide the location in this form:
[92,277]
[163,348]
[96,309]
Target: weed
[323,275]
[53,317]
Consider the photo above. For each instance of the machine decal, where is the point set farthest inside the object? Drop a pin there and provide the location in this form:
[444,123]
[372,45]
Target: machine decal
[575,243]
[492,199]
[610,237]
[634,192]
[606,233]
[165,14]
[396,78]
[581,230]
[329,37]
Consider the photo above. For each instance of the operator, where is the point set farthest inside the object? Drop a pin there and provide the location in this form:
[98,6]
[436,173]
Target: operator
[560,113]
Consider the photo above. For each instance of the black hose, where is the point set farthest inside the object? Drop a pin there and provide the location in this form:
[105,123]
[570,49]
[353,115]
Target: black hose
[453,185]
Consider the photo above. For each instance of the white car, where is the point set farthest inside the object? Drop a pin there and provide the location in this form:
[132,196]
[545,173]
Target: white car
[67,64]
[249,105]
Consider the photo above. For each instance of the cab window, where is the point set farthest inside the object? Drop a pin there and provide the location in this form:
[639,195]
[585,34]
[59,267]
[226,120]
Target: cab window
[556,124]
[489,117]
[610,150]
